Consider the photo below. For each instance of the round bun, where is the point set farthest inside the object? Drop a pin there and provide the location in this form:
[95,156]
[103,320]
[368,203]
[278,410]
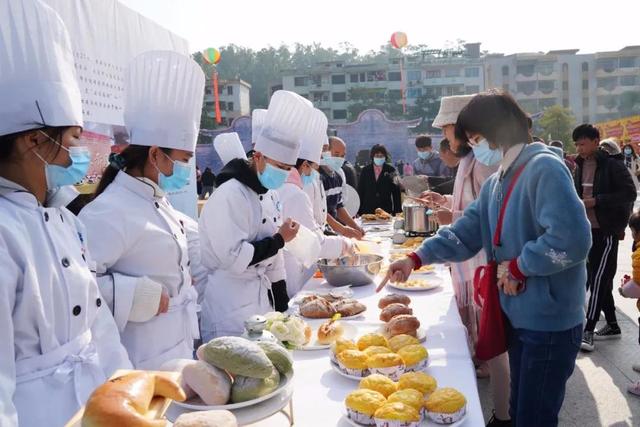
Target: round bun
[394,309]
[393,298]
[329,332]
[403,324]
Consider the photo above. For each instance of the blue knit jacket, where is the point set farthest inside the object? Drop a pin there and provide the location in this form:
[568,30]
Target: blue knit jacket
[545,229]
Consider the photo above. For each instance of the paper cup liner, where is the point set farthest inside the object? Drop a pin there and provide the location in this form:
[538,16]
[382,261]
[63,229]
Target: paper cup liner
[395,423]
[360,418]
[420,366]
[393,372]
[445,418]
[333,358]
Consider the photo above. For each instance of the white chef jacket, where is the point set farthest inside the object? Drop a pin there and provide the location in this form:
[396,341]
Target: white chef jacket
[134,232]
[232,218]
[318,198]
[59,340]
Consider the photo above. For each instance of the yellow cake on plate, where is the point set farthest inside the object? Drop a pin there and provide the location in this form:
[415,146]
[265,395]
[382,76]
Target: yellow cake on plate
[362,404]
[397,414]
[402,340]
[372,339]
[376,349]
[388,364]
[419,381]
[410,397]
[415,357]
[379,383]
[340,345]
[446,406]
[353,362]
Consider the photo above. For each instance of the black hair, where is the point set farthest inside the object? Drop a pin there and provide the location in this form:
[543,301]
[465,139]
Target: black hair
[634,221]
[8,142]
[300,162]
[379,148]
[132,157]
[423,141]
[496,116]
[445,145]
[585,130]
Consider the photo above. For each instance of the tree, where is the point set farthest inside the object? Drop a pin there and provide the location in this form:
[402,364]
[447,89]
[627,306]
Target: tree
[558,122]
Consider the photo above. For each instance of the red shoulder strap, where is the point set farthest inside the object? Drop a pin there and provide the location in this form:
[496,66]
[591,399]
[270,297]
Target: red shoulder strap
[503,208]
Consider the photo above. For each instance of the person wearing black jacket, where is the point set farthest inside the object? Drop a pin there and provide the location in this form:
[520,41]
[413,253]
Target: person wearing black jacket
[378,187]
[350,174]
[607,190]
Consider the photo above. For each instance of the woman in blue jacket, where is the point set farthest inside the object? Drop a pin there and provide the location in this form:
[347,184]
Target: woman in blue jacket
[544,243]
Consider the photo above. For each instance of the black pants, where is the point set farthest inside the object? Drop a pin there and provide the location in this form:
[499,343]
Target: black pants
[601,268]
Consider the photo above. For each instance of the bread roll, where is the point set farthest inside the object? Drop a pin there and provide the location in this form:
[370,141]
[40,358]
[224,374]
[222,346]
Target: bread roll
[318,308]
[206,419]
[177,365]
[393,310]
[213,385]
[402,324]
[349,307]
[124,401]
[393,298]
[329,332]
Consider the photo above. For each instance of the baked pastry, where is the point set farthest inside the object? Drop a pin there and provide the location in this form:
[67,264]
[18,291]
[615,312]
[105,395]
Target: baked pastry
[399,341]
[369,217]
[446,406]
[317,308]
[397,414]
[362,404]
[415,357]
[329,332]
[388,364]
[393,310]
[410,397]
[402,324]
[393,298]
[380,383]
[353,362]
[124,401]
[376,349]
[419,381]
[339,346]
[206,419]
[382,214]
[349,307]
[367,340]
[211,384]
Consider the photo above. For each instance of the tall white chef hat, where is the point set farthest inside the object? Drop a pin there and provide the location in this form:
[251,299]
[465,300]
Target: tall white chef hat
[257,120]
[163,100]
[229,147]
[286,121]
[38,83]
[314,137]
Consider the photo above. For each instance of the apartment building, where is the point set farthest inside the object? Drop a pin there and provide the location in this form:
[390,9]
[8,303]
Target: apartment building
[235,99]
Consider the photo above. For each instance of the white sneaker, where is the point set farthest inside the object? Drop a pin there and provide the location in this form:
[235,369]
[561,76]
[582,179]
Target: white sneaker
[587,342]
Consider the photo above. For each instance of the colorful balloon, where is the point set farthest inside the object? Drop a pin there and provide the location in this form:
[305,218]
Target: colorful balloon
[211,55]
[398,40]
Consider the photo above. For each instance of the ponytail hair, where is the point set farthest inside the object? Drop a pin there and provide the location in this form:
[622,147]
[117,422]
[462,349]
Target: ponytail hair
[132,157]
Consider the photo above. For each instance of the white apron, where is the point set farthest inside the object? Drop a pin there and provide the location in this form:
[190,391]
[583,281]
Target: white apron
[235,290]
[134,232]
[59,340]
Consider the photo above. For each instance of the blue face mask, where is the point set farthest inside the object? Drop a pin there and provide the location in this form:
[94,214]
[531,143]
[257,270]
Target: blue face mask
[628,151]
[425,155]
[309,179]
[485,155]
[334,163]
[379,161]
[178,179]
[59,176]
[272,177]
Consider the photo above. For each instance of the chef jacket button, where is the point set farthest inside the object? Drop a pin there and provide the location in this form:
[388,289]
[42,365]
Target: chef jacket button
[175,236]
[84,258]
[98,302]
[61,218]
[257,265]
[157,204]
[76,310]
[181,268]
[274,220]
[188,263]
[65,262]
[46,216]
[264,220]
[182,230]
[260,198]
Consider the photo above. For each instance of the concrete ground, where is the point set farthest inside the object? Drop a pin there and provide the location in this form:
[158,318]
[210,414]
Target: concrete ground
[596,393]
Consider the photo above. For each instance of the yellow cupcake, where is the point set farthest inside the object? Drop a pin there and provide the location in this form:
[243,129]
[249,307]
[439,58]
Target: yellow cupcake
[419,381]
[362,404]
[446,406]
[385,360]
[376,349]
[415,357]
[397,411]
[408,396]
[341,344]
[371,339]
[353,359]
[399,341]
[379,383]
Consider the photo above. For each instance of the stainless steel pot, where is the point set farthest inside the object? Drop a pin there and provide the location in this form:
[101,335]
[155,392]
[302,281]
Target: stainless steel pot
[357,270]
[416,219]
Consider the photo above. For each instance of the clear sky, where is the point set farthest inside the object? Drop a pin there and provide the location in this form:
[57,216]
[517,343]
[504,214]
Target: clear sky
[501,26]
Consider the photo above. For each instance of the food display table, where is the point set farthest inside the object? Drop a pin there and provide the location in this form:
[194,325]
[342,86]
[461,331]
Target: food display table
[319,392]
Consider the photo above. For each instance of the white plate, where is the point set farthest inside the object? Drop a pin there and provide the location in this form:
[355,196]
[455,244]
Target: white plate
[202,407]
[350,333]
[432,283]
[424,423]
[351,377]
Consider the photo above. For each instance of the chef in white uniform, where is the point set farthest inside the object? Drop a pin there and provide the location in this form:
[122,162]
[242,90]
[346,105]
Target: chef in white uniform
[297,204]
[139,241]
[229,147]
[241,226]
[59,340]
